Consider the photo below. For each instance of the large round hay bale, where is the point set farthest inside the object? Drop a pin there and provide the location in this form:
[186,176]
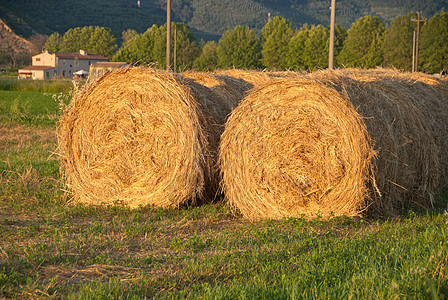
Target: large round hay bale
[295,147]
[139,136]
[399,113]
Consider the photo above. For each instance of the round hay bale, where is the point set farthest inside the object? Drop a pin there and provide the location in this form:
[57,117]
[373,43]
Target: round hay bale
[294,147]
[399,114]
[139,136]
[250,77]
[230,90]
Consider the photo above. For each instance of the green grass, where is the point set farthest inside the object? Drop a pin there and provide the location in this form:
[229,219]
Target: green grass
[43,86]
[30,108]
[52,249]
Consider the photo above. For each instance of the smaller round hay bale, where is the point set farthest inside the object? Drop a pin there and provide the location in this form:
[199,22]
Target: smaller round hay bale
[294,147]
[140,136]
[252,78]
[227,89]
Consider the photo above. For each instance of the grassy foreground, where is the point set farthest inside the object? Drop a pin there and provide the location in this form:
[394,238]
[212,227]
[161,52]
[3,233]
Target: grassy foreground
[52,249]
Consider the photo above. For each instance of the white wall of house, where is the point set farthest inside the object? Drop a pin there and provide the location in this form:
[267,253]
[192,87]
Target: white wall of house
[44,59]
[64,64]
[66,67]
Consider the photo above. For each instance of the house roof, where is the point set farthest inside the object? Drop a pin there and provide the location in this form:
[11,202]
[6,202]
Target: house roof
[109,64]
[36,68]
[88,56]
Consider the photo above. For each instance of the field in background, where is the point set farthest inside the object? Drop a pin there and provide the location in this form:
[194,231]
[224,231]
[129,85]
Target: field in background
[52,249]
[8,83]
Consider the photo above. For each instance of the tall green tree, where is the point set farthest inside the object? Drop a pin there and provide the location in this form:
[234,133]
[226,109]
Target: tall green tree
[53,43]
[102,41]
[127,35]
[433,56]
[308,49]
[363,46]
[296,47]
[93,39]
[140,49]
[186,48]
[275,37]
[398,43]
[316,48]
[150,47]
[239,48]
[208,59]
[72,40]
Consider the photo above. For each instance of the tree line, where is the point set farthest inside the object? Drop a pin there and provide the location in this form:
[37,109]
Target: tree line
[368,43]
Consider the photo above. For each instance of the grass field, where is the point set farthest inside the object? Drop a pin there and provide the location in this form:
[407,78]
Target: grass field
[8,83]
[50,248]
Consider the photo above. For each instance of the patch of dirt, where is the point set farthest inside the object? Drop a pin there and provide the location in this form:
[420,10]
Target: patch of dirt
[20,134]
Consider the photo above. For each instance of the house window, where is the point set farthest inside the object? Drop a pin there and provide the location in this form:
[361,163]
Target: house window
[37,59]
[71,66]
[47,75]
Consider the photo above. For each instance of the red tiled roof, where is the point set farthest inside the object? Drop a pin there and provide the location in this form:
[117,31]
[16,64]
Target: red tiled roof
[89,56]
[36,68]
[109,64]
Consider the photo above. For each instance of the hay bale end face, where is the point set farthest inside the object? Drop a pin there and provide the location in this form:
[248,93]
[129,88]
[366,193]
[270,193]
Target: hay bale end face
[294,147]
[140,136]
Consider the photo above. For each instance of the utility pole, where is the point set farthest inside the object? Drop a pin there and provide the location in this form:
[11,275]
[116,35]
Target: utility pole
[168,35]
[331,51]
[418,20]
[413,53]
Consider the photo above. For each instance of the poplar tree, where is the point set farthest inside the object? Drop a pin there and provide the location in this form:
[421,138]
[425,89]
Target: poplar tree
[363,46]
[150,47]
[239,48]
[53,43]
[398,43]
[275,37]
[308,49]
[93,39]
[208,60]
[434,44]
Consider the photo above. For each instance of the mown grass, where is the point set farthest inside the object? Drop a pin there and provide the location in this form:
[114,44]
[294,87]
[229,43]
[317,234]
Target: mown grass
[50,248]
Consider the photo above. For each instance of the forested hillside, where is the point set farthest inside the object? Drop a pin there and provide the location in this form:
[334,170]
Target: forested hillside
[48,16]
[208,19]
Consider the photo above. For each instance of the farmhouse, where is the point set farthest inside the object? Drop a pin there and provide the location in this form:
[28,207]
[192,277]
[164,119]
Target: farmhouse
[50,65]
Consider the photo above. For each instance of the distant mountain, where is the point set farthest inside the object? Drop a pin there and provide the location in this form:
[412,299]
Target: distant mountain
[209,19]
[11,42]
